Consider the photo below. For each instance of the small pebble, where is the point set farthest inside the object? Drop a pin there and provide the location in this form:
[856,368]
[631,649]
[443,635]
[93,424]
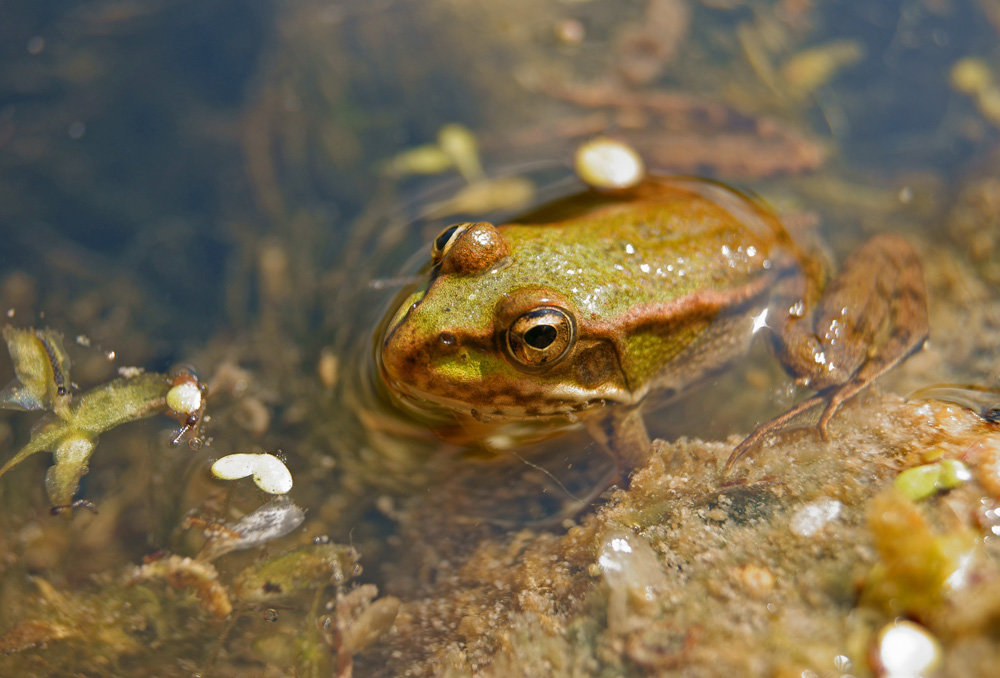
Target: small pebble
[906,650]
[758,581]
[633,574]
[811,518]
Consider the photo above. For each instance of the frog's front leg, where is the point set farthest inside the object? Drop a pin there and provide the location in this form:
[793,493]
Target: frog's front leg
[622,433]
[869,318]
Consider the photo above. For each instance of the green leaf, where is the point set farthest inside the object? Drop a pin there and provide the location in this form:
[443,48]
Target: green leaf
[41,370]
[117,402]
[46,436]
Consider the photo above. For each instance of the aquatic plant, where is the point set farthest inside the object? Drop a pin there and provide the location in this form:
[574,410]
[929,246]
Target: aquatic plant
[74,423]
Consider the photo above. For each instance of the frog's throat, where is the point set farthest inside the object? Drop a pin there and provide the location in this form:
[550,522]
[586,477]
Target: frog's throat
[559,402]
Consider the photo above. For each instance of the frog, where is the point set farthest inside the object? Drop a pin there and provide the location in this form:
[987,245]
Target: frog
[583,310]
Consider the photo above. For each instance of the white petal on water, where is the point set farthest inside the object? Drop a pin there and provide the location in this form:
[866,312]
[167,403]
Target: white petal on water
[272,475]
[269,473]
[609,164]
[234,466]
[184,397]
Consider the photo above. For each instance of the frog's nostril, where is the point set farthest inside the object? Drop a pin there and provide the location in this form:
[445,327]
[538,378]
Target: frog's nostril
[447,339]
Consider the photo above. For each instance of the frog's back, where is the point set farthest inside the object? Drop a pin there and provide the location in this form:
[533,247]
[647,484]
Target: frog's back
[665,239]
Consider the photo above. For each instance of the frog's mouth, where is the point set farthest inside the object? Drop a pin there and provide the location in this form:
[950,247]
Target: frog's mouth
[565,403]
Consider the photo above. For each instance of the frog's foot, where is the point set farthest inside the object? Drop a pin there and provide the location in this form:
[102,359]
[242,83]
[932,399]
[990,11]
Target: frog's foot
[888,326]
[767,428]
[870,318]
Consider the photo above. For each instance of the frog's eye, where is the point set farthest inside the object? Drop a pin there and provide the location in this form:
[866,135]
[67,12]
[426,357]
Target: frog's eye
[445,240]
[542,336]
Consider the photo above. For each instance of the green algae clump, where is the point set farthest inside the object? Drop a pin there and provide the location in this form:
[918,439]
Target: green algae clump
[71,430]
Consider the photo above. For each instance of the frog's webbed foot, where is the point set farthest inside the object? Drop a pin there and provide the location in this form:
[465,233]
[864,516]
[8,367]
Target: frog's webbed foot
[870,318]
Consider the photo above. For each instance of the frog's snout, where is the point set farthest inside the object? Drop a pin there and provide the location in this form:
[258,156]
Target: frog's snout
[397,361]
[406,357]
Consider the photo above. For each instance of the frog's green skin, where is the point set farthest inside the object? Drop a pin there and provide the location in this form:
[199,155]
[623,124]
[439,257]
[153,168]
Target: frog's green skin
[643,291]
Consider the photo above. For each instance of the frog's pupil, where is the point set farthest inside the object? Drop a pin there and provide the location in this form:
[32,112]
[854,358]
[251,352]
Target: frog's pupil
[540,336]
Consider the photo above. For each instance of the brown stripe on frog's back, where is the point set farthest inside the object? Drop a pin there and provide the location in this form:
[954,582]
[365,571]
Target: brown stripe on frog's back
[652,335]
[620,253]
[704,303]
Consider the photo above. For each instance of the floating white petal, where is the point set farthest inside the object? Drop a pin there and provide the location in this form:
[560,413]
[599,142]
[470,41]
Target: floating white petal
[234,466]
[269,473]
[607,164]
[184,397]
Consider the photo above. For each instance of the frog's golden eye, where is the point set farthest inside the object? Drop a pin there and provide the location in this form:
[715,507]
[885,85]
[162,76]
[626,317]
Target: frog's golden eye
[540,337]
[445,240]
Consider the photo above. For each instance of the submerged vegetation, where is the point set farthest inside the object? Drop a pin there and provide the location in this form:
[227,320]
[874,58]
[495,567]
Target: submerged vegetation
[240,190]
[70,433]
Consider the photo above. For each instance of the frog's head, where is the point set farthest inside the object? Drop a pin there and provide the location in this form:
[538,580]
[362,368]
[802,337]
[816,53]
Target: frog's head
[487,337]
